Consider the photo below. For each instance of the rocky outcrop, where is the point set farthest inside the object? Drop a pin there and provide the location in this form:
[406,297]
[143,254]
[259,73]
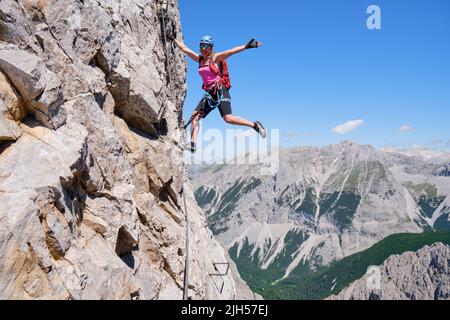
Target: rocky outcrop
[12,110]
[443,171]
[91,168]
[26,71]
[39,88]
[421,275]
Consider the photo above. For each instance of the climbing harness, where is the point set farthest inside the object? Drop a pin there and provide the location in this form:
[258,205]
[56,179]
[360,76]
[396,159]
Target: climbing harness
[211,103]
[215,103]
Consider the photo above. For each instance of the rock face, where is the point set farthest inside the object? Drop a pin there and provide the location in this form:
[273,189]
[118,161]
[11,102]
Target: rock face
[91,169]
[421,275]
[12,110]
[26,71]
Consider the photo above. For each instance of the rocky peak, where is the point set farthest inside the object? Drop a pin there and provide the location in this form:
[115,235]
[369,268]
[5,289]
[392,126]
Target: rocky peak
[421,275]
[443,171]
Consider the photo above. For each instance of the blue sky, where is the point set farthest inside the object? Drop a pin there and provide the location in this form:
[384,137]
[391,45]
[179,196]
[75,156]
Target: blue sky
[320,66]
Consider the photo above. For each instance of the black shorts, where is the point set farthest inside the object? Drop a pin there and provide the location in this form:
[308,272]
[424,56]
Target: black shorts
[224,107]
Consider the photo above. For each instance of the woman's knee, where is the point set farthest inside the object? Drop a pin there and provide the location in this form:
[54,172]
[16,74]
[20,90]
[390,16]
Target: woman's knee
[197,116]
[228,118]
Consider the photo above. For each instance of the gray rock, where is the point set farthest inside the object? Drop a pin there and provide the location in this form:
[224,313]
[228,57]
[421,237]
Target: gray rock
[41,157]
[95,223]
[47,107]
[13,106]
[55,225]
[92,270]
[9,130]
[14,25]
[26,71]
[79,27]
[421,275]
[36,220]
[72,78]
[40,87]
[25,260]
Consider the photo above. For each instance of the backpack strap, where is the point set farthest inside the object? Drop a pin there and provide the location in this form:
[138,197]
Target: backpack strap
[221,68]
[220,65]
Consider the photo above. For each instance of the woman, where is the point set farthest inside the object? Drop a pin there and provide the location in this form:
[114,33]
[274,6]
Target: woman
[216,83]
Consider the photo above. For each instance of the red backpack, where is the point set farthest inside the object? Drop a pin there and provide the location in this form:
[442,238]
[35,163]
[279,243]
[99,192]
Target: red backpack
[222,71]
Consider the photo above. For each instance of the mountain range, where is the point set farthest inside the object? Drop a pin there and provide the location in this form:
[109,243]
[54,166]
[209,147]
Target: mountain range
[323,204]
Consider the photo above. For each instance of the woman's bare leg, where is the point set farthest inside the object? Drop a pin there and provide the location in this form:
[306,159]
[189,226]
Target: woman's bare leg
[195,127]
[231,119]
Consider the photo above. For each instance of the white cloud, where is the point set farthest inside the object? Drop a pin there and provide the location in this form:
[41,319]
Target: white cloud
[406,128]
[348,126]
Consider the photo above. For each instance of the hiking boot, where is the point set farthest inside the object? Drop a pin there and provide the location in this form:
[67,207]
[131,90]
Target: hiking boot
[191,146]
[260,129]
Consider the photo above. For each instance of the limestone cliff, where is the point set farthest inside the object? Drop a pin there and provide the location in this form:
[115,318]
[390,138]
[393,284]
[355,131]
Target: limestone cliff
[421,275]
[91,164]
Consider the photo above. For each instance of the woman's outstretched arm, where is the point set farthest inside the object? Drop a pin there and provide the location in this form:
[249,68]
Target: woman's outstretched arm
[194,56]
[220,56]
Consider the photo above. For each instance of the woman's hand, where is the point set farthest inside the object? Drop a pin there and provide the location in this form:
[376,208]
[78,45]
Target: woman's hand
[253,44]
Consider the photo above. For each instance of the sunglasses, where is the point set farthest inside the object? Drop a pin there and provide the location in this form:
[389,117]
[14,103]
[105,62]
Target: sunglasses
[204,46]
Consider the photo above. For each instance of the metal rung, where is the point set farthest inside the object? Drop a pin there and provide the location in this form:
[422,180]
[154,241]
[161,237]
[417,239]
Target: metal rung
[221,263]
[220,287]
[219,274]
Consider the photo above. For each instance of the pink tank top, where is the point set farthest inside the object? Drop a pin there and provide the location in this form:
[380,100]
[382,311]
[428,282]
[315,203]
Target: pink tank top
[209,77]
